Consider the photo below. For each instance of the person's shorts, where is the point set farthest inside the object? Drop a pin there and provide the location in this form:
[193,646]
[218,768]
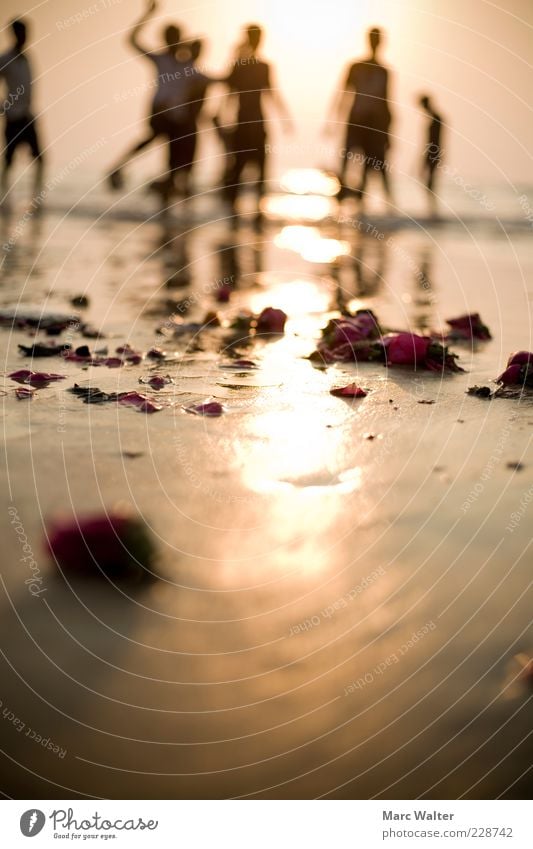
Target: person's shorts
[160,124]
[182,140]
[371,145]
[21,131]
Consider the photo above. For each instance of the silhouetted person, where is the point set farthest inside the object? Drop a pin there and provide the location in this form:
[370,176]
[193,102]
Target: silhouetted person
[433,152]
[251,80]
[171,87]
[365,91]
[185,122]
[20,128]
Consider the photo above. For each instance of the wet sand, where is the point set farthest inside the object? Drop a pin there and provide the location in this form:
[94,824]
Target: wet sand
[337,615]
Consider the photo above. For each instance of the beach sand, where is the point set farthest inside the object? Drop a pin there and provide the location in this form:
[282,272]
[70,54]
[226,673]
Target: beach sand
[337,615]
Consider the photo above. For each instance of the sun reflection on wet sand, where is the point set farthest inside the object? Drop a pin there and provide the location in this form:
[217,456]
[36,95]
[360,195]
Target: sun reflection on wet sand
[295,449]
[309,243]
[297,296]
[297,207]
[310,181]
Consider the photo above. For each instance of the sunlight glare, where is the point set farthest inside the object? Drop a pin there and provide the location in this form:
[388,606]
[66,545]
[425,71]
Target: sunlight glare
[310,181]
[310,245]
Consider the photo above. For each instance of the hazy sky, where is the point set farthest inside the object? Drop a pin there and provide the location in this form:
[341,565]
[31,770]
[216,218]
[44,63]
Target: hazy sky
[474,56]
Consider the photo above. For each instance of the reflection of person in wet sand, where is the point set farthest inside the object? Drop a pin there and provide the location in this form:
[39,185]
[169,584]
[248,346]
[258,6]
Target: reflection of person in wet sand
[20,127]
[365,92]
[250,80]
[433,153]
[362,272]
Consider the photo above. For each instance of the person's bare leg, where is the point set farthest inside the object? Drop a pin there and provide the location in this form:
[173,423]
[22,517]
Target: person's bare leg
[363,181]
[4,186]
[115,176]
[387,186]
[344,191]
[432,198]
[38,175]
[4,178]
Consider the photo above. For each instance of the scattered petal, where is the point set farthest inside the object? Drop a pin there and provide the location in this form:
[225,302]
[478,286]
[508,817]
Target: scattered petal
[479,391]
[349,391]
[157,381]
[271,320]
[468,327]
[209,408]
[23,393]
[141,402]
[418,351]
[111,544]
[80,301]
[522,358]
[223,294]
[35,378]
[39,349]
[156,354]
[519,371]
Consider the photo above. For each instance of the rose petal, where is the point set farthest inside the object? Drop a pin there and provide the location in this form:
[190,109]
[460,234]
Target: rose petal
[156,354]
[406,349]
[23,393]
[522,358]
[511,376]
[34,378]
[271,320]
[157,381]
[349,391]
[112,544]
[210,408]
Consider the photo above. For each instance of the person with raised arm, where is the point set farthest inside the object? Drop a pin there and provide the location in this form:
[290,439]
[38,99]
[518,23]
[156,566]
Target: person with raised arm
[171,85]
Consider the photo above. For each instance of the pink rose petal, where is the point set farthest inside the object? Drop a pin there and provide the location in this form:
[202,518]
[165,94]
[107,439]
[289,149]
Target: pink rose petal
[469,327]
[23,393]
[112,544]
[141,402]
[223,294]
[522,358]
[157,381]
[210,408]
[35,378]
[271,320]
[511,375]
[349,391]
[406,349]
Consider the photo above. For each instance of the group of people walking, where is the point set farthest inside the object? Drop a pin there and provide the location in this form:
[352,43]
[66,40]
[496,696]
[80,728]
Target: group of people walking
[179,99]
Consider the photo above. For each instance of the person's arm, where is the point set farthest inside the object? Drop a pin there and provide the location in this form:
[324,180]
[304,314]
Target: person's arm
[273,92]
[340,102]
[134,35]
[5,59]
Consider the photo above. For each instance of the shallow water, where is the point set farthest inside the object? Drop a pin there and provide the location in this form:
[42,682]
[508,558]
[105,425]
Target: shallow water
[276,657]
